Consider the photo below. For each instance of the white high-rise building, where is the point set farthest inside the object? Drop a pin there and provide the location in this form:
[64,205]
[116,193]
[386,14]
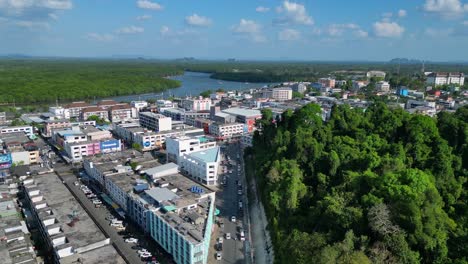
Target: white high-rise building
[155,122]
[442,78]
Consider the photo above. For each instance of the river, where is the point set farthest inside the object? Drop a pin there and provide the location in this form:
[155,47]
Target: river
[193,83]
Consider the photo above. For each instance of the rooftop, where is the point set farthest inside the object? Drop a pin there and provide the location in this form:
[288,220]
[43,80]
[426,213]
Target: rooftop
[242,112]
[207,155]
[159,169]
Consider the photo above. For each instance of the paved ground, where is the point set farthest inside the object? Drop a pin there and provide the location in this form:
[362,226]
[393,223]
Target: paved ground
[99,217]
[227,201]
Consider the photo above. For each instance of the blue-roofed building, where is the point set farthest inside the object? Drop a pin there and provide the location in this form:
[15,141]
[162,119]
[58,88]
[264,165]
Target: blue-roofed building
[201,166]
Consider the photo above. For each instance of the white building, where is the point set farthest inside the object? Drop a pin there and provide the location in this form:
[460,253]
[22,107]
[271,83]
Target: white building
[280,94]
[377,74]
[227,130]
[178,146]
[201,104]
[382,86]
[299,87]
[442,78]
[59,112]
[138,105]
[26,129]
[202,165]
[155,122]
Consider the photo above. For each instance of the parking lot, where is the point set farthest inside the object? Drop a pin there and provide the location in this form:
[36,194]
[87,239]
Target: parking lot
[119,232]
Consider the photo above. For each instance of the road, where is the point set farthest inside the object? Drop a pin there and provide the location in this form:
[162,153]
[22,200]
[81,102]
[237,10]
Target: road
[227,201]
[99,216]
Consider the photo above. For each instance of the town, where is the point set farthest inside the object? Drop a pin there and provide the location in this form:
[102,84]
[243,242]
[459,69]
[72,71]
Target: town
[163,181]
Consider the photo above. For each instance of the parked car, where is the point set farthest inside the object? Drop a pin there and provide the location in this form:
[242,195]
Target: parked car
[242,236]
[143,250]
[218,256]
[120,228]
[76,183]
[131,240]
[239,192]
[233,219]
[228,235]
[146,255]
[220,240]
[116,224]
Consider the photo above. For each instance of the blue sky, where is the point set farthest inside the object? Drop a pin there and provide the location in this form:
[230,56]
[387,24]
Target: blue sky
[244,29]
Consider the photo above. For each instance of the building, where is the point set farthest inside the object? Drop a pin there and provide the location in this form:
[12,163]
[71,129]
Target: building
[106,104]
[202,166]
[121,112]
[178,146]
[358,85]
[180,218]
[68,233]
[382,86]
[15,245]
[95,111]
[60,112]
[327,82]
[227,130]
[51,125]
[178,114]
[156,122]
[18,149]
[247,140]
[75,108]
[375,74]
[25,129]
[299,87]
[245,116]
[139,105]
[280,94]
[224,118]
[200,104]
[442,78]
[76,151]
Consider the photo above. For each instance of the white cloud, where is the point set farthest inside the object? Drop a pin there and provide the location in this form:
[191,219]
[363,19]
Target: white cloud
[293,13]
[164,30]
[262,9]
[250,29]
[130,30]
[196,20]
[144,17]
[465,23]
[289,34]
[100,37]
[445,8]
[33,10]
[32,24]
[145,4]
[361,33]
[402,13]
[336,30]
[388,29]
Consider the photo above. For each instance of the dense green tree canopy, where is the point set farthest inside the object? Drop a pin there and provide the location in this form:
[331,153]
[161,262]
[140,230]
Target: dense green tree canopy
[374,186]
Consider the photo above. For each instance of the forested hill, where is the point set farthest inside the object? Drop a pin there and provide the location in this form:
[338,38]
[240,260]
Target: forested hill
[35,80]
[374,186]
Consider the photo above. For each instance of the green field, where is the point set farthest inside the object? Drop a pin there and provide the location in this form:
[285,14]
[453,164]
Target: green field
[42,81]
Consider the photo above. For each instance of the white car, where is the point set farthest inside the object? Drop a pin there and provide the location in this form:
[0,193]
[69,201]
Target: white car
[220,240]
[143,250]
[233,219]
[97,202]
[116,224]
[76,183]
[146,255]
[218,256]
[131,240]
[228,235]
[242,236]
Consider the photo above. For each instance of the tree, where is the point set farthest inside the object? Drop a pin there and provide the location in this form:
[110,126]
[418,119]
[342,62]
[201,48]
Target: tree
[97,119]
[297,95]
[136,146]
[206,94]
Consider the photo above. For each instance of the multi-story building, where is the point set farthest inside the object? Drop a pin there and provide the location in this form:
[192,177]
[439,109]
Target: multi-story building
[375,74]
[247,140]
[50,125]
[75,108]
[76,151]
[200,104]
[95,111]
[177,114]
[26,129]
[442,78]
[202,166]
[327,82]
[18,149]
[180,215]
[139,105]
[178,146]
[227,130]
[121,112]
[155,122]
[106,104]
[299,87]
[280,94]
[245,116]
[357,85]
[59,112]
[67,231]
[382,86]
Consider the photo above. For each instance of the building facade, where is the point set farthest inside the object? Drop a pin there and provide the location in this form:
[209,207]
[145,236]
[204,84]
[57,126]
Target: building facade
[202,166]
[155,122]
[200,104]
[227,130]
[443,78]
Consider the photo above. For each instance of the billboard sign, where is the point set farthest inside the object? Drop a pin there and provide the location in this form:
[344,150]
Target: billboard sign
[147,144]
[110,144]
[5,161]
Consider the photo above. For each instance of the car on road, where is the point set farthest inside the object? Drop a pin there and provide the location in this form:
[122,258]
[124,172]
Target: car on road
[120,228]
[233,219]
[228,235]
[220,240]
[141,251]
[97,201]
[131,240]
[219,246]
[76,183]
[240,205]
[242,236]
[146,255]
[239,192]
[218,256]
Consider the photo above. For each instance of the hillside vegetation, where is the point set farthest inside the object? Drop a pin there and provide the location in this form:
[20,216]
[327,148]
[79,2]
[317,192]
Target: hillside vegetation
[379,186]
[32,81]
